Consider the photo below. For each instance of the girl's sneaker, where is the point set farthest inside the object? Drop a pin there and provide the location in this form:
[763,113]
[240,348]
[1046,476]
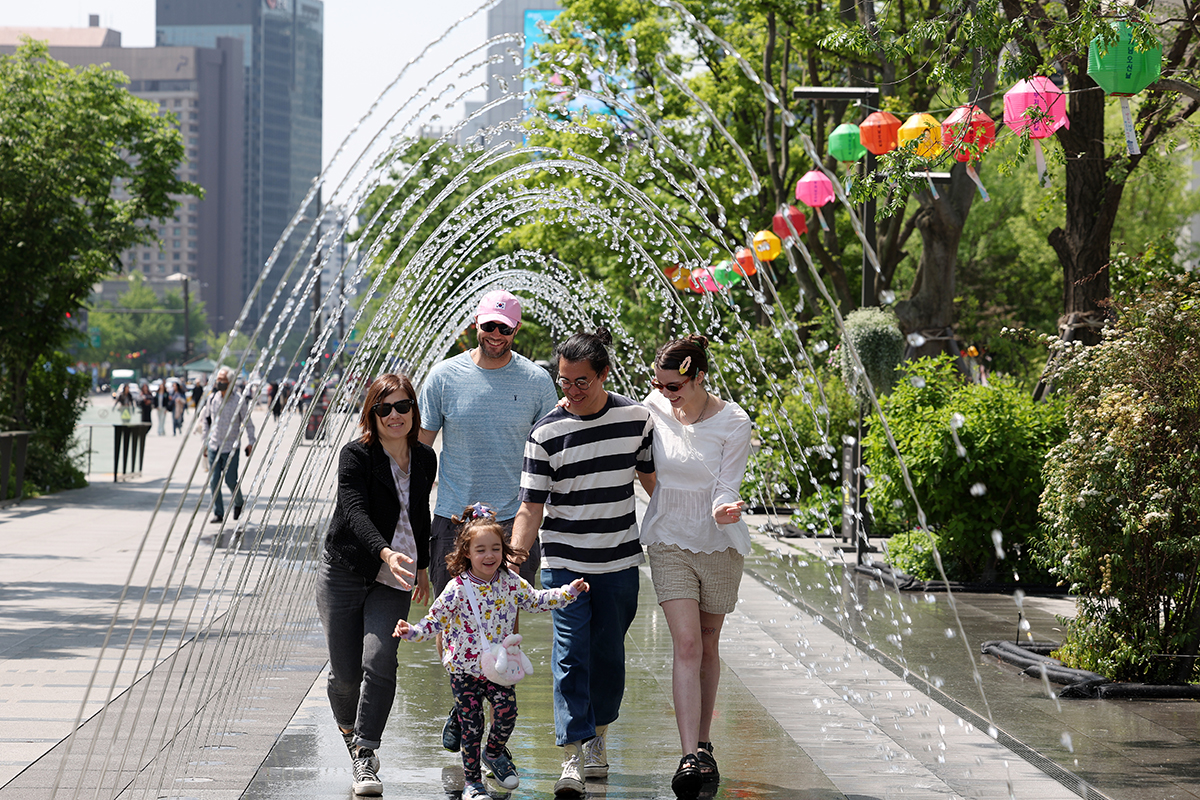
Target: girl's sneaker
[501,769]
[475,791]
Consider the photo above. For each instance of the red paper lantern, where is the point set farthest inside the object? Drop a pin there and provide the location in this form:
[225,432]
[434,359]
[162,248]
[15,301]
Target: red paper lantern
[779,223]
[878,132]
[745,261]
[702,281]
[967,132]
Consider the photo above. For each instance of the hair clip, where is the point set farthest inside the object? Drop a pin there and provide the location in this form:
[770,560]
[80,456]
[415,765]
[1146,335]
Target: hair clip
[685,365]
[480,511]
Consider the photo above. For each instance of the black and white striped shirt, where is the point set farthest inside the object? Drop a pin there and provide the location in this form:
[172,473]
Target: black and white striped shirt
[582,469]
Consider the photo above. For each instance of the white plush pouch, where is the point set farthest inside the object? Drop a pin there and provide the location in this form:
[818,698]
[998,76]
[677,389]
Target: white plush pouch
[505,663]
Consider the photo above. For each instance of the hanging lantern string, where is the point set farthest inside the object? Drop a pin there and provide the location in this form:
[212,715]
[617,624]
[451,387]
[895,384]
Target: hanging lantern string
[855,223]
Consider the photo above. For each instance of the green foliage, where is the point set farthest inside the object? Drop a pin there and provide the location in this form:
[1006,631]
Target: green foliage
[133,339]
[974,454]
[56,399]
[68,139]
[1121,499]
[875,335]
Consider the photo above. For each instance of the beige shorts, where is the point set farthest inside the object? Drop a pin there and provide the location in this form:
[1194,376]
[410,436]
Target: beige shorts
[711,579]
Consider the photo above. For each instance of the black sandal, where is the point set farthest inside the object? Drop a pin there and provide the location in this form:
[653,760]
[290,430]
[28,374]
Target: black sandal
[706,762]
[687,781]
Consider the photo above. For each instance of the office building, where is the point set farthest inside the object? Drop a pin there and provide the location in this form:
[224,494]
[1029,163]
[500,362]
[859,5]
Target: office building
[200,90]
[282,57]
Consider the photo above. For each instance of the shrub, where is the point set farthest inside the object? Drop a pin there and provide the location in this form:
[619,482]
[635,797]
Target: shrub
[55,398]
[876,337]
[1121,498]
[974,454]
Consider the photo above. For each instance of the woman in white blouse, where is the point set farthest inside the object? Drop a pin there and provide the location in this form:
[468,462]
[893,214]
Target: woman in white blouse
[695,537]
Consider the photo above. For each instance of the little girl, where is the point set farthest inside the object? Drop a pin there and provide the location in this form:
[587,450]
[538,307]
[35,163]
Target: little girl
[481,578]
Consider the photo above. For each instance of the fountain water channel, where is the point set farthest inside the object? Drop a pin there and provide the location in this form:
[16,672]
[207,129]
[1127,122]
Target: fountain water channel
[218,620]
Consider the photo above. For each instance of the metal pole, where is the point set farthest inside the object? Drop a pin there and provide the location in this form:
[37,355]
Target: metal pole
[187,328]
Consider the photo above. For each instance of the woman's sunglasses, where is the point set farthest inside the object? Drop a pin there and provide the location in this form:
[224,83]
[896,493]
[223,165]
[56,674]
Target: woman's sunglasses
[491,326]
[670,387]
[383,409]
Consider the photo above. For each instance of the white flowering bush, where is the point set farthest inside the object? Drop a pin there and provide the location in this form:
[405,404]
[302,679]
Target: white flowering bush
[1122,496]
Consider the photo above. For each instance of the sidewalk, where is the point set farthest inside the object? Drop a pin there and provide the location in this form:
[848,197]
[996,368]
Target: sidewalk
[228,699]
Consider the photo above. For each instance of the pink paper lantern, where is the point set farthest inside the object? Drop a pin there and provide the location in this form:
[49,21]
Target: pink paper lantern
[1041,94]
[814,189]
[703,281]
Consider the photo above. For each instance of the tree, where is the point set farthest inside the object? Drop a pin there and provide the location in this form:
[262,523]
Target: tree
[130,338]
[83,164]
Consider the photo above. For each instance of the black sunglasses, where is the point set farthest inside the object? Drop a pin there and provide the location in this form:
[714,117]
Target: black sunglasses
[383,409]
[670,387]
[491,326]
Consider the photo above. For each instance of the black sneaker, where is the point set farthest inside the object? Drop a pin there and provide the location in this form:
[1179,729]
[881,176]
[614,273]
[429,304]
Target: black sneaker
[501,768]
[216,520]
[366,780]
[237,511]
[452,732]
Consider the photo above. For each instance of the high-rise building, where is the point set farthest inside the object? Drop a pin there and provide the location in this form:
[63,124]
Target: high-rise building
[200,90]
[282,51]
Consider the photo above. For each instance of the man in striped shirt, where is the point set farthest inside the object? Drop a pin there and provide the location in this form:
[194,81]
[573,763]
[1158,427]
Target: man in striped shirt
[577,487]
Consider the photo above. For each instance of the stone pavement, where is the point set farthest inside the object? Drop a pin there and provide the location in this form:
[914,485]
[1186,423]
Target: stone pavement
[832,687]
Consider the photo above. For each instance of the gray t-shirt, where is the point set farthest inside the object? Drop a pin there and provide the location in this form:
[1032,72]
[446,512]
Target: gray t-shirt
[485,416]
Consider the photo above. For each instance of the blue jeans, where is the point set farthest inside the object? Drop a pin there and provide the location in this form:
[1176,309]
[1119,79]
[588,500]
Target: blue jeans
[358,616]
[588,655]
[216,465]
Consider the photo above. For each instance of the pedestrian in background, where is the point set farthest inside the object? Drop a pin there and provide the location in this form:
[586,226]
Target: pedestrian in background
[225,413]
[162,402]
[178,408]
[146,404]
[197,393]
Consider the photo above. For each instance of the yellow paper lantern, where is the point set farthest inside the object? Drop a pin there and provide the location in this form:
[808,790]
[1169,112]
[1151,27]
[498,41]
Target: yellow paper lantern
[926,131]
[767,245]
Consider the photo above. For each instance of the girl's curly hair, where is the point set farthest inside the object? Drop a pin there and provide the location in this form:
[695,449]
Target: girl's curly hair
[475,519]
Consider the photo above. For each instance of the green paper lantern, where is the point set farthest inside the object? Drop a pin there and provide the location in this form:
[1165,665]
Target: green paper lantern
[1120,68]
[725,274]
[845,143]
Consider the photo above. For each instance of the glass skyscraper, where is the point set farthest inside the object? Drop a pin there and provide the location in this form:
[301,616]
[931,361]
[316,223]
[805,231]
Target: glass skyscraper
[283,54]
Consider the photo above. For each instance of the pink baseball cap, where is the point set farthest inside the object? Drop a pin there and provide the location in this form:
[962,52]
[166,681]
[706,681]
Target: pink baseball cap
[499,306]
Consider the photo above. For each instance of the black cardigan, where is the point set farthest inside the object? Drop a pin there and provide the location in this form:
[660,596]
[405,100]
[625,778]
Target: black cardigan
[368,508]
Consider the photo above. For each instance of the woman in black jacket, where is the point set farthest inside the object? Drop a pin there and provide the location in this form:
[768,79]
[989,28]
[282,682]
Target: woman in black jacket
[380,529]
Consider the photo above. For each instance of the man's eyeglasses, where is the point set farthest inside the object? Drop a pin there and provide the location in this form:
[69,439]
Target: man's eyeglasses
[582,384]
[383,409]
[670,387]
[491,326]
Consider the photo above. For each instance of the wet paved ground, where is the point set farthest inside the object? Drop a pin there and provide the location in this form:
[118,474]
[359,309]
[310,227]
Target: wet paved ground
[806,709]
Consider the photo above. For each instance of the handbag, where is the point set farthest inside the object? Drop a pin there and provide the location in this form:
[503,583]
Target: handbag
[505,663]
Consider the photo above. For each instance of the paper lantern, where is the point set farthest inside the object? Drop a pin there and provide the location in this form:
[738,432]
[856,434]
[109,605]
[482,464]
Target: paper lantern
[967,132]
[877,132]
[745,261]
[702,281]
[680,277]
[779,222]
[766,246]
[845,143]
[725,274]
[1122,70]
[814,189]
[1038,106]
[926,131]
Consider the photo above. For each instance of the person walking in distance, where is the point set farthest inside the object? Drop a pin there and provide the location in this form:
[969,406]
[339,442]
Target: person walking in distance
[162,403]
[484,402]
[223,417]
[577,487]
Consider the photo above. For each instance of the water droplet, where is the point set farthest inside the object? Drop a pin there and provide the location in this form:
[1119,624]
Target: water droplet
[917,382]
[1066,742]
[916,339]
[821,346]
[950,634]
[978,490]
[957,420]
[887,297]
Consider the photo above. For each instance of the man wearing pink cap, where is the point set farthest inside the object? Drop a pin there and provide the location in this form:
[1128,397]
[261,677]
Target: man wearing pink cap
[484,402]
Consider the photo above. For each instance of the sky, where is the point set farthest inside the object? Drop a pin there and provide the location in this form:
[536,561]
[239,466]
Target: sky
[367,42]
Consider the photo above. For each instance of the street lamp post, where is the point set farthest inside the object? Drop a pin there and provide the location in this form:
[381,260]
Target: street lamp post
[187,322]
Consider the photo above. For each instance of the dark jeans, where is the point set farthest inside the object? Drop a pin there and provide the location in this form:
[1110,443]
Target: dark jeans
[359,616]
[216,465]
[587,658]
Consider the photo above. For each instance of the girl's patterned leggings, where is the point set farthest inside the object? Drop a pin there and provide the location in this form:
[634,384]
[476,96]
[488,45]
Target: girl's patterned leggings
[469,693]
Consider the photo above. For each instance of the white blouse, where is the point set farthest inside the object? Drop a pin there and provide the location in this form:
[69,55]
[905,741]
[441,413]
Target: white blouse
[403,540]
[698,467]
